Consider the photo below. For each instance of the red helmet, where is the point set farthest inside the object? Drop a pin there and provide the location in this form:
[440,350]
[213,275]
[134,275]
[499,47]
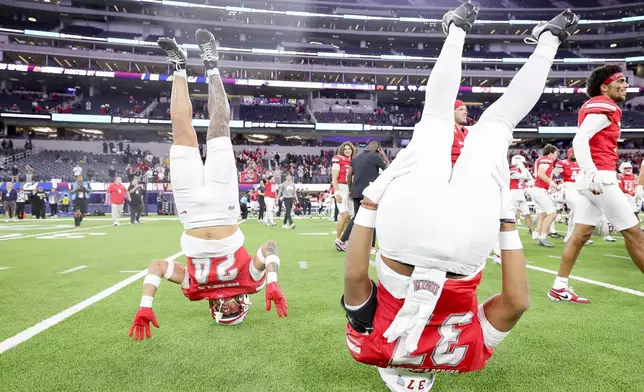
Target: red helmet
[230,311]
[569,152]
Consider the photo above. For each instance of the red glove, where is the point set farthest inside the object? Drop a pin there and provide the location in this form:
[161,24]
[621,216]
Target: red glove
[274,293]
[141,324]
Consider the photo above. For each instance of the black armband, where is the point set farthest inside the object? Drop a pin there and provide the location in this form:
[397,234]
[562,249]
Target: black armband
[362,319]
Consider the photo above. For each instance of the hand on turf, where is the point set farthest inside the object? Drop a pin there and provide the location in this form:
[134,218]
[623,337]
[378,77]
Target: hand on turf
[274,294]
[402,164]
[141,326]
[594,182]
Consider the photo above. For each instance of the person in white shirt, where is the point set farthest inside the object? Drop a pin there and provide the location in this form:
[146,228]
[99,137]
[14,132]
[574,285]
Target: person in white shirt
[77,170]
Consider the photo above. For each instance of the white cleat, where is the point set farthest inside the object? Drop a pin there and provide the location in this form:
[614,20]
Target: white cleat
[609,238]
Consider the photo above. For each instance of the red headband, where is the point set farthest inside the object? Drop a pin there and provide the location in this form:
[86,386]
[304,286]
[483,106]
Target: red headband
[614,77]
[458,104]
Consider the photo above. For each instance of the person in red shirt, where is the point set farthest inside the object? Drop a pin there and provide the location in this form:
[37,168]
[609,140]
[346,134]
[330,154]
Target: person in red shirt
[269,198]
[423,316]
[543,167]
[519,174]
[460,132]
[116,195]
[568,170]
[628,185]
[341,174]
[218,268]
[595,147]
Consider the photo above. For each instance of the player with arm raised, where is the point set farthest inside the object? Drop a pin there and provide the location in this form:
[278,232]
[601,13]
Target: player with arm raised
[423,315]
[340,177]
[218,267]
[595,147]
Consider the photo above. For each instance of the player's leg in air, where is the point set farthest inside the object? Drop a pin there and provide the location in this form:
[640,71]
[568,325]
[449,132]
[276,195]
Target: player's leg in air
[414,336]
[219,268]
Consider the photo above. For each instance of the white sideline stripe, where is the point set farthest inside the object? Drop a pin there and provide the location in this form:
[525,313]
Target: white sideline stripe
[619,257]
[3,268]
[590,281]
[30,332]
[80,267]
[54,232]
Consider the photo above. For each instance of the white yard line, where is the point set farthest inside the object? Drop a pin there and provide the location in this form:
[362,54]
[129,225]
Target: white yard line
[4,268]
[55,232]
[618,257]
[80,267]
[590,281]
[30,332]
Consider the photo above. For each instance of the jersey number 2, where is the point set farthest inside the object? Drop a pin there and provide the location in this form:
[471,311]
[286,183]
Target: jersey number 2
[223,269]
[442,354]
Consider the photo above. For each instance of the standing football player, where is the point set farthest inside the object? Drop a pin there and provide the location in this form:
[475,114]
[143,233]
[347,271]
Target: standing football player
[595,147]
[543,181]
[519,174]
[218,267]
[340,178]
[423,315]
[568,169]
[628,185]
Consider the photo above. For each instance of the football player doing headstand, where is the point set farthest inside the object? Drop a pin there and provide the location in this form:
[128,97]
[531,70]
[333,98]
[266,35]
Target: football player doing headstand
[218,267]
[423,315]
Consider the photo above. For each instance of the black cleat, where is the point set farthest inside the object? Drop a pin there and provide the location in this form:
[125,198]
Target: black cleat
[555,235]
[177,55]
[561,26]
[463,17]
[207,48]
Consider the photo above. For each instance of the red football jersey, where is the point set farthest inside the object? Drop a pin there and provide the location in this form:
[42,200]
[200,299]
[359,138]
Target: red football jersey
[458,143]
[603,145]
[627,183]
[538,182]
[269,190]
[341,163]
[221,277]
[451,342]
[515,183]
[569,170]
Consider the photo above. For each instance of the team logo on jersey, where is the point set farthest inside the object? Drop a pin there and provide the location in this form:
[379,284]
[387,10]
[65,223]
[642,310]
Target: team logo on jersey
[426,285]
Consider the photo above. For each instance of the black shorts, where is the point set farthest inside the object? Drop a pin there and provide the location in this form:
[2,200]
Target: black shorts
[80,205]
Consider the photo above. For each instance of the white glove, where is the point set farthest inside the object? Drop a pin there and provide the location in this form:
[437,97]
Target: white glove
[423,292]
[402,164]
[594,182]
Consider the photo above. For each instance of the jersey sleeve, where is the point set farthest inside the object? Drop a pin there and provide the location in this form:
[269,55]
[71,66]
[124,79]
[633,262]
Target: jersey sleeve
[600,106]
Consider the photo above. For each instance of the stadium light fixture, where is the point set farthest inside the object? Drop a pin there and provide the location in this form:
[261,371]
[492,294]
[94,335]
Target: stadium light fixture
[32,19]
[613,45]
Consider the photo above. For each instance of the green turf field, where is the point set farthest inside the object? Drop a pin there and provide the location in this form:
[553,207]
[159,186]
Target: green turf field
[555,347]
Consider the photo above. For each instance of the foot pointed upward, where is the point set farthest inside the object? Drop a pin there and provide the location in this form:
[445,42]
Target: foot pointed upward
[462,16]
[207,48]
[177,55]
[561,26]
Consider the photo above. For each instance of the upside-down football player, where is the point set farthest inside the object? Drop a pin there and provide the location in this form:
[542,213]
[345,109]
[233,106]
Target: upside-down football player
[218,267]
[423,316]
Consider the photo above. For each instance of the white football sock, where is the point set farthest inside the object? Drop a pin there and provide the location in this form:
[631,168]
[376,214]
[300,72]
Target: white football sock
[560,283]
